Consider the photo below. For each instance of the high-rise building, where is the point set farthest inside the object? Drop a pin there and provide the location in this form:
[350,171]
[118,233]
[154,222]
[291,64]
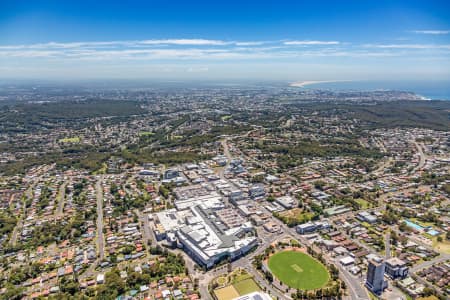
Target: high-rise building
[375,276]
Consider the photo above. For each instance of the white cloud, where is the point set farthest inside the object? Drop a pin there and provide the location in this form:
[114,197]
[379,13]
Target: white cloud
[113,45]
[181,42]
[249,43]
[205,49]
[189,42]
[309,43]
[407,46]
[197,69]
[435,32]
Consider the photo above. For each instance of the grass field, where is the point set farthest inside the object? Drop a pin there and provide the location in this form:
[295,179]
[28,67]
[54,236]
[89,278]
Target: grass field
[226,293]
[70,140]
[297,214]
[246,286]
[238,283]
[298,270]
[364,203]
[441,247]
[146,133]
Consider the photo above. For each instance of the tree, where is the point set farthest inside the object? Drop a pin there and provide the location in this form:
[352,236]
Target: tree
[69,286]
[12,293]
[319,184]
[114,282]
[269,276]
[106,293]
[428,291]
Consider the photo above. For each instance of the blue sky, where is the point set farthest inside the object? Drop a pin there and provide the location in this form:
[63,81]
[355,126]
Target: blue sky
[282,40]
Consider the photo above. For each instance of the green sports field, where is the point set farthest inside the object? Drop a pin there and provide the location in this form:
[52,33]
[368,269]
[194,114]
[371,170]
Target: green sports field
[246,286]
[298,270]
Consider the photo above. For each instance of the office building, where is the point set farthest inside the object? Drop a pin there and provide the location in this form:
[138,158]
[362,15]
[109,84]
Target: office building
[396,268]
[375,276]
[171,174]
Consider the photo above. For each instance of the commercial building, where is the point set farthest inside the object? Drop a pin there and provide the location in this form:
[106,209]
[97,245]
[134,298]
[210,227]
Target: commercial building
[286,201]
[236,195]
[204,228]
[396,268]
[311,227]
[347,261]
[257,191]
[151,173]
[375,275]
[171,173]
[208,240]
[366,217]
[336,210]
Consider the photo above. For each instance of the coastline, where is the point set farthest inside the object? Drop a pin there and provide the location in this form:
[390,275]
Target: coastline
[310,82]
[426,90]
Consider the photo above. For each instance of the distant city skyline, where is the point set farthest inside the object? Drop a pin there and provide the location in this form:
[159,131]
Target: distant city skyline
[294,41]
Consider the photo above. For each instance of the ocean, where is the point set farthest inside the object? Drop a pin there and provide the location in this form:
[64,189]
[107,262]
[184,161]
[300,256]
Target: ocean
[435,90]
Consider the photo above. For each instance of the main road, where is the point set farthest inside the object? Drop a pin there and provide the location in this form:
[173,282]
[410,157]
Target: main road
[100,237]
[227,154]
[61,198]
[422,157]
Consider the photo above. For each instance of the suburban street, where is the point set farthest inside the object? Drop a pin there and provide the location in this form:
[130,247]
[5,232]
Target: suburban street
[148,233]
[429,263]
[28,195]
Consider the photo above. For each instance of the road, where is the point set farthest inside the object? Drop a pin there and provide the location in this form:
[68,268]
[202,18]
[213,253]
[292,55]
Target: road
[147,232]
[226,152]
[61,198]
[28,195]
[383,166]
[19,225]
[426,264]
[387,244]
[422,157]
[100,237]
[355,286]
[246,263]
[203,279]
[262,282]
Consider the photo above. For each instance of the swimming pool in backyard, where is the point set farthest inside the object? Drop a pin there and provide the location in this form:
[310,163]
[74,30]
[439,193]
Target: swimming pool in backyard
[433,232]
